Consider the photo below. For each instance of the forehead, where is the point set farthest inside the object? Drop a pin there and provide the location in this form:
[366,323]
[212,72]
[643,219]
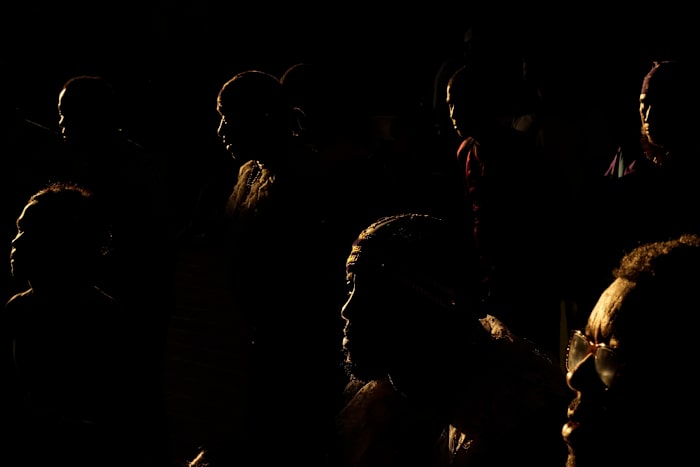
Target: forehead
[601,321]
[32,218]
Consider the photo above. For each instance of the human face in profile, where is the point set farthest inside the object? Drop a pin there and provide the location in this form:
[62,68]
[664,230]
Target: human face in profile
[241,133]
[657,120]
[368,335]
[619,407]
[32,249]
[82,120]
[454,107]
[384,319]
[224,131]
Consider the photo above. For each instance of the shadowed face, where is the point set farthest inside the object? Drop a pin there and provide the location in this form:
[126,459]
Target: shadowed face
[624,410]
[372,334]
[39,246]
[402,273]
[393,325]
[655,120]
[254,119]
[85,116]
[458,109]
[60,235]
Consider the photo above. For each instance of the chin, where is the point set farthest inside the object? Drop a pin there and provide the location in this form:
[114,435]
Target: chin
[604,456]
[363,373]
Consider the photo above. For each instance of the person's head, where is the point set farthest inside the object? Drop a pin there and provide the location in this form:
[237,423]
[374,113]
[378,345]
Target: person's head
[61,234]
[308,87]
[87,109]
[256,116]
[476,98]
[633,399]
[667,109]
[410,279]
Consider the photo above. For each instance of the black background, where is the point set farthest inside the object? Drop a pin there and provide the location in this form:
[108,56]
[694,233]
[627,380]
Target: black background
[170,57]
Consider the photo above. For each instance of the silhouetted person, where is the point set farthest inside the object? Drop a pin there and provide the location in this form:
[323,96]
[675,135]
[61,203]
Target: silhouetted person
[623,413]
[650,190]
[130,183]
[433,381]
[75,376]
[512,205]
[337,128]
[420,178]
[26,147]
[308,87]
[275,226]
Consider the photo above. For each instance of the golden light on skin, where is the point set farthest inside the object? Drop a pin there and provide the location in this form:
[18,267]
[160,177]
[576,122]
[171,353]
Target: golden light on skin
[644,110]
[451,107]
[599,326]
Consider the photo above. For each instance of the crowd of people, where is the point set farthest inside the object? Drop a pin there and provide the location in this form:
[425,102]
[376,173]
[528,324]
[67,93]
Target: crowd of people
[459,282]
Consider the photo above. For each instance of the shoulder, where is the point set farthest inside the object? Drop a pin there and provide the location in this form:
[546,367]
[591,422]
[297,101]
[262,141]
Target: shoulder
[496,328]
[465,147]
[372,399]
[16,308]
[100,295]
[19,299]
[519,351]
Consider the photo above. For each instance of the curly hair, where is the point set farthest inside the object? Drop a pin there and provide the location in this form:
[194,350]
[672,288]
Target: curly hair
[663,260]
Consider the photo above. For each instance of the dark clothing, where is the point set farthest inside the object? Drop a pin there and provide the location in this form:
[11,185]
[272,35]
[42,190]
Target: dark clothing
[633,202]
[513,198]
[73,382]
[510,407]
[287,280]
[26,148]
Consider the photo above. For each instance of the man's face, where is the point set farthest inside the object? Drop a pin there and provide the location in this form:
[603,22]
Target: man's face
[224,129]
[243,132]
[457,114]
[34,247]
[369,334]
[657,120]
[82,123]
[621,410]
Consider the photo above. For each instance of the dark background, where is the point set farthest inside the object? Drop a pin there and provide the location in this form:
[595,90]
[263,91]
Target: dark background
[168,58]
[182,51]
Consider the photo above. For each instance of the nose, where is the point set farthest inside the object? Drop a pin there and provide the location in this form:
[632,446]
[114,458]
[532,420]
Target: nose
[585,376]
[17,240]
[346,310]
[220,128]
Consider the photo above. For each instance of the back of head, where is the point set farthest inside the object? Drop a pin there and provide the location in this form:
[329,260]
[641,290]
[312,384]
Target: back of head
[305,84]
[666,275]
[308,88]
